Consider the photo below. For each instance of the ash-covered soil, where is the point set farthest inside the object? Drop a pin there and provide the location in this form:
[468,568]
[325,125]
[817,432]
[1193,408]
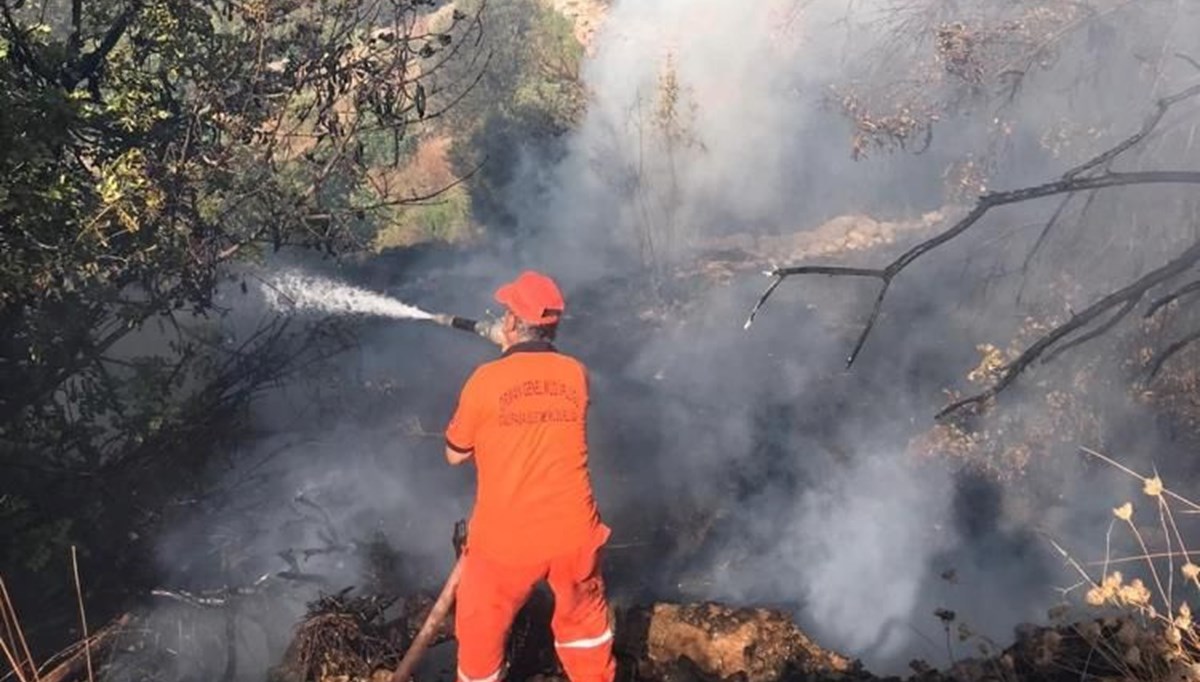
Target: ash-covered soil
[710,642]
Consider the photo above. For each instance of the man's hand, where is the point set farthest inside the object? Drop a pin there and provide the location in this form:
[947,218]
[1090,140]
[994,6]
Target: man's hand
[495,334]
[454,457]
[460,537]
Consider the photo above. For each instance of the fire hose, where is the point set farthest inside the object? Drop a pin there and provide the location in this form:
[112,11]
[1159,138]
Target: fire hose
[445,600]
[437,614]
[429,628]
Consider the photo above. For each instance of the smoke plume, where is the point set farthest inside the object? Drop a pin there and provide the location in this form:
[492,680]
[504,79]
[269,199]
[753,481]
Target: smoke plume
[739,465]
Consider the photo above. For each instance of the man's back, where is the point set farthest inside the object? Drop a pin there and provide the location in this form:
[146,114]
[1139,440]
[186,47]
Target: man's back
[525,417]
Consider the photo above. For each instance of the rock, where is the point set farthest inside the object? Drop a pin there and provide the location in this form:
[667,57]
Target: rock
[718,642]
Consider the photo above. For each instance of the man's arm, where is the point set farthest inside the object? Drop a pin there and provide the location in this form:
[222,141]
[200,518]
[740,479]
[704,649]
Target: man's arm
[460,433]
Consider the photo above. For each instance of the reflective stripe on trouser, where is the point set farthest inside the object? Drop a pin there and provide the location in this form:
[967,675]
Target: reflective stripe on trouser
[490,594]
[589,643]
[463,677]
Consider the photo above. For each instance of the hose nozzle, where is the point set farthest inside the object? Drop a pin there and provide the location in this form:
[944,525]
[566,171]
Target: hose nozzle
[488,329]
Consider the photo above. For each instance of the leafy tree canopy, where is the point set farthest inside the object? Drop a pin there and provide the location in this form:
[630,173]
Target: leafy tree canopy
[144,146]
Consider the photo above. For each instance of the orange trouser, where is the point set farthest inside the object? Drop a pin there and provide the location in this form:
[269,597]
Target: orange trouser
[490,594]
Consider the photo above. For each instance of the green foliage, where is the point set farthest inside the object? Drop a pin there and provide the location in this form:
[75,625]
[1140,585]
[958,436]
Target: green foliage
[529,96]
[549,94]
[532,72]
[148,145]
[445,218]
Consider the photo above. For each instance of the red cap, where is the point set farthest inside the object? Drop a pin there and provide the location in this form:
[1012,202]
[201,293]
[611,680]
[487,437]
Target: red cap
[533,297]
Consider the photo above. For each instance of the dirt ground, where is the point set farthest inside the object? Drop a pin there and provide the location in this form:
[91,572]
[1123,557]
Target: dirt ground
[710,642]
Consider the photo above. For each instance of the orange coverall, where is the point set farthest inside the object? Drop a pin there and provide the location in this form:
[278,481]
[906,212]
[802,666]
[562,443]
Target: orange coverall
[524,418]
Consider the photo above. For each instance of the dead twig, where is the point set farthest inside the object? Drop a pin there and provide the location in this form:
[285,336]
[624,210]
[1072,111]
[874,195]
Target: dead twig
[784,273]
[16,634]
[1105,159]
[1098,331]
[1159,303]
[1071,561]
[71,660]
[1169,352]
[1130,472]
[87,647]
[1189,59]
[1046,230]
[17,668]
[1055,221]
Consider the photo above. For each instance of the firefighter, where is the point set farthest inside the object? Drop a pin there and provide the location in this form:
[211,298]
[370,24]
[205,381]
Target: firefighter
[523,420]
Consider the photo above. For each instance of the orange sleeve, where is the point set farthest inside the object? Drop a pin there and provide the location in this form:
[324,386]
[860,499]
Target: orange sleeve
[460,434]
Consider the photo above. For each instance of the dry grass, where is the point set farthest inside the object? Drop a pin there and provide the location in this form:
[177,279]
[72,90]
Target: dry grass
[12,640]
[87,645]
[344,637]
[69,664]
[1161,640]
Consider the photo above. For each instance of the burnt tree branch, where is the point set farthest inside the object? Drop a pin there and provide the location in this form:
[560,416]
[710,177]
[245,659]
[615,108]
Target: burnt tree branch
[1169,352]
[1078,179]
[1123,297]
[1098,331]
[1046,230]
[1161,108]
[1049,227]
[986,203]
[1160,303]
[783,273]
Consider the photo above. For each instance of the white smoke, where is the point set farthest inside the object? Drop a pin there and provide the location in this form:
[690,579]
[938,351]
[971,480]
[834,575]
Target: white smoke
[854,550]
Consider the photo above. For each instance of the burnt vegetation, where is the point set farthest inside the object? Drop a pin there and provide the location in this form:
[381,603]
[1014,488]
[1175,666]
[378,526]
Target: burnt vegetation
[988,64]
[156,154]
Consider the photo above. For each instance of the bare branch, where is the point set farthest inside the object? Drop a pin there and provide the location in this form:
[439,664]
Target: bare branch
[1087,205]
[1122,297]
[1098,331]
[1159,303]
[784,273]
[862,337]
[1189,59]
[1049,227]
[986,203]
[761,300]
[832,270]
[1074,180]
[1160,110]
[1169,352]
